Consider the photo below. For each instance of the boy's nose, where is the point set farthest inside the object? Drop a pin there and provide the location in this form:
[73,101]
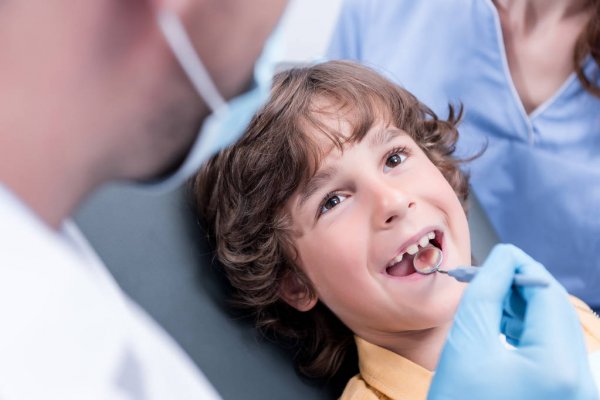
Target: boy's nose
[390,205]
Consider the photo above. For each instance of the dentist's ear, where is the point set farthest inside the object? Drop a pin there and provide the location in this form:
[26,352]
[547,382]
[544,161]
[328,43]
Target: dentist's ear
[297,293]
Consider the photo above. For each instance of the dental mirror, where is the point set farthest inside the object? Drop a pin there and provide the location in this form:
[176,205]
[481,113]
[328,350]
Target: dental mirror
[428,260]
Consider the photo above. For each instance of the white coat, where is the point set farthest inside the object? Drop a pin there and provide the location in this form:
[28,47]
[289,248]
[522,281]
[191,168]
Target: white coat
[67,331]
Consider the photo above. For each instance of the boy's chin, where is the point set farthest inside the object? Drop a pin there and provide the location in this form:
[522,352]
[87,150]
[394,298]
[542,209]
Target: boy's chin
[447,306]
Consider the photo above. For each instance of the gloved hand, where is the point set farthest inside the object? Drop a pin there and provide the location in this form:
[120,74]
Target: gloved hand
[549,361]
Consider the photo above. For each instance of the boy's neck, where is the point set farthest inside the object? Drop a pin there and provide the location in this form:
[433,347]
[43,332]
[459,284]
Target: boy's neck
[525,15]
[421,347]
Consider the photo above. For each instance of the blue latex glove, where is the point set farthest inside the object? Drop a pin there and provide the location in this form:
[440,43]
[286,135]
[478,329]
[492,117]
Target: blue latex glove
[550,361]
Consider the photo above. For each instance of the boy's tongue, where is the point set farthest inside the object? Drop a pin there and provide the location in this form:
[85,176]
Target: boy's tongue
[403,268]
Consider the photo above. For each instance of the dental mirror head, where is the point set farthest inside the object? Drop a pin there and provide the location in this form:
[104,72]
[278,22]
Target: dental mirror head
[428,260]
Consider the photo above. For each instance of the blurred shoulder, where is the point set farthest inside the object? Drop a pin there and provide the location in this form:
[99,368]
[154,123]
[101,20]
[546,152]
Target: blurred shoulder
[590,322]
[358,389]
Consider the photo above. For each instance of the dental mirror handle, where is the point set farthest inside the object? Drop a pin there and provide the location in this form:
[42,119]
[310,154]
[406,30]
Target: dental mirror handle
[466,274]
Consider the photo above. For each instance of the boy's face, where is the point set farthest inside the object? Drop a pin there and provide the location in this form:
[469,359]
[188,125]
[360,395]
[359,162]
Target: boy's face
[364,207]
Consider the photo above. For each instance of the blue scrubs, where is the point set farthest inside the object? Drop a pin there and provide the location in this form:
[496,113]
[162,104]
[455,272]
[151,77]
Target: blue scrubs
[539,179]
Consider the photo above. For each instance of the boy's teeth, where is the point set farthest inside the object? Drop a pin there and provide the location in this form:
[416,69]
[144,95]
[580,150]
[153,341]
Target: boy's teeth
[398,259]
[412,249]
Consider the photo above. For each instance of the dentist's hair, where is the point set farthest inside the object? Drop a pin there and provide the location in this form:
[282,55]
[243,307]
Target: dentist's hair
[241,193]
[588,45]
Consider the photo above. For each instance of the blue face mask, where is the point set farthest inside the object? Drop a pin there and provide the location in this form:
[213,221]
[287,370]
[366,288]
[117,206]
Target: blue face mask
[228,121]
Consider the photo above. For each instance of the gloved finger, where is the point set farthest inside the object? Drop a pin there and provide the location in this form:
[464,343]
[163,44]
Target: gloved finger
[552,334]
[550,315]
[512,328]
[551,321]
[483,301]
[495,278]
[513,316]
[514,304]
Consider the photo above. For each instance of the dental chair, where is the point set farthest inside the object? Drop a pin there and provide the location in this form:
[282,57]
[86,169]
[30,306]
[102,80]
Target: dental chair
[159,256]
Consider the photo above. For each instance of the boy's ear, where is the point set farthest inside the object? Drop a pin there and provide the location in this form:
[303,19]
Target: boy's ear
[296,293]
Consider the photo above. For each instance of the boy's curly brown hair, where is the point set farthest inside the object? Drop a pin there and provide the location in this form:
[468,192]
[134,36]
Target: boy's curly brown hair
[241,193]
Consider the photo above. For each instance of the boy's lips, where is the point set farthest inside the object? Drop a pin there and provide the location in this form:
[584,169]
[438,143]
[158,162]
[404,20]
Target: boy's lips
[401,264]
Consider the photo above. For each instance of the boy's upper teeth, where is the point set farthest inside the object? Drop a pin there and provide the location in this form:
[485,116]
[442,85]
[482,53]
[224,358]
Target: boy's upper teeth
[413,248]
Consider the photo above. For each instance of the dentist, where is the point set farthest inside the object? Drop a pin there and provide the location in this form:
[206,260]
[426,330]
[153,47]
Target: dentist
[112,90]
[94,92]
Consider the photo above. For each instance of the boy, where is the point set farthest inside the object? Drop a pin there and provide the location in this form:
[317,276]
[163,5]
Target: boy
[317,212]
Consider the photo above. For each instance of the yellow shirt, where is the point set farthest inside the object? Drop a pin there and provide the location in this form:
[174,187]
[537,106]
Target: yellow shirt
[385,375]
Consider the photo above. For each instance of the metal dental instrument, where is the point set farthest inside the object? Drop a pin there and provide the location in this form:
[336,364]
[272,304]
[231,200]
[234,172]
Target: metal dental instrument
[429,259]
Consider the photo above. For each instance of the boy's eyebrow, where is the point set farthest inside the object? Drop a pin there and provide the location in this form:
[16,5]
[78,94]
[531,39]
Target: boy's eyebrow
[315,183]
[383,136]
[379,138]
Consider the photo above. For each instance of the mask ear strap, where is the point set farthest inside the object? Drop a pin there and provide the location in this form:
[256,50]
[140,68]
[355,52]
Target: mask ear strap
[184,51]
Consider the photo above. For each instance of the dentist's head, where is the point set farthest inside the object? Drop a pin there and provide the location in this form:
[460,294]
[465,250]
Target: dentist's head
[111,90]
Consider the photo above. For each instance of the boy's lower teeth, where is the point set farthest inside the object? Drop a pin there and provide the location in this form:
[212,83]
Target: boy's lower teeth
[403,268]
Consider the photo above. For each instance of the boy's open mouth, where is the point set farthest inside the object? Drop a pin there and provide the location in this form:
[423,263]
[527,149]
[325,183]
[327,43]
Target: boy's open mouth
[402,264]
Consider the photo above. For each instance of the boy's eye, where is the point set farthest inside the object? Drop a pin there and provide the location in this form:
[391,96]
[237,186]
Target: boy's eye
[330,201]
[396,158]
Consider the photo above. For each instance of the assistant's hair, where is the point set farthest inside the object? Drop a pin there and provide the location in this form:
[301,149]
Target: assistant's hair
[241,193]
[588,43]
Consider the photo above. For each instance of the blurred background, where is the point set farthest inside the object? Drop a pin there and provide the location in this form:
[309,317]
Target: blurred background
[307,27]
